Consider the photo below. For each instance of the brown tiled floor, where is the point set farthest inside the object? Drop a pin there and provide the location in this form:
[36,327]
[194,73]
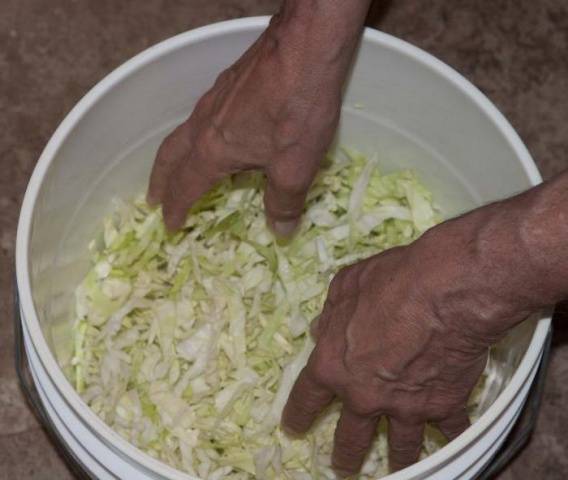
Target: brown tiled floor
[53,51]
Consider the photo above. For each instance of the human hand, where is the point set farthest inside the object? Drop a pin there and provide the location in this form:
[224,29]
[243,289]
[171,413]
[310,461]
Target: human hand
[406,334]
[268,111]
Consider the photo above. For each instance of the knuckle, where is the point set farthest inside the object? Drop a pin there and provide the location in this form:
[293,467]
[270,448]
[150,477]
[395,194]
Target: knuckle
[364,404]
[322,369]
[203,107]
[181,190]
[341,283]
[204,146]
[207,156]
[294,123]
[288,133]
[163,150]
[318,325]
[335,287]
[410,412]
[304,406]
[335,284]
[167,148]
[290,177]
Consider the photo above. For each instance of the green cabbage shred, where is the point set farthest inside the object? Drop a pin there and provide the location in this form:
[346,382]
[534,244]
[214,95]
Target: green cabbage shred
[188,344]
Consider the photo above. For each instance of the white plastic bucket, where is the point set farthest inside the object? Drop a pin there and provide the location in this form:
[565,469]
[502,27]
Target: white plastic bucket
[401,102]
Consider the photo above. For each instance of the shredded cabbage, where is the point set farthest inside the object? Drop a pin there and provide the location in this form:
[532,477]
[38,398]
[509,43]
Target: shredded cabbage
[188,344]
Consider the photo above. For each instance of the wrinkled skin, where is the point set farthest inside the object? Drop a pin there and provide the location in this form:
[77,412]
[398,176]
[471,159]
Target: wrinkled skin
[263,113]
[403,334]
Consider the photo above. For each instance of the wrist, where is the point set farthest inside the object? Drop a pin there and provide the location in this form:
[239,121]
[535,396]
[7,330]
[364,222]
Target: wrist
[506,260]
[322,32]
[477,274]
[543,230]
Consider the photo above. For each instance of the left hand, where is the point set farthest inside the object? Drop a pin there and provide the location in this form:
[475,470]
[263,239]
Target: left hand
[404,334]
[269,111]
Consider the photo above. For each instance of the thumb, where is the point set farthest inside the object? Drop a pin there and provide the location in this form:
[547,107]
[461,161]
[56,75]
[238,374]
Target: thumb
[285,194]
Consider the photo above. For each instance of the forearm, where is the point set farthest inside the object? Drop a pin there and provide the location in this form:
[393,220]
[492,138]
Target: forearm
[508,259]
[319,37]
[529,235]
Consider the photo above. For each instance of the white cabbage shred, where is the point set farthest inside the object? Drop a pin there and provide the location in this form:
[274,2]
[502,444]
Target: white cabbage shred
[188,344]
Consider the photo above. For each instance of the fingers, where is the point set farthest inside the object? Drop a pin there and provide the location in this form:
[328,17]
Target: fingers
[314,327]
[405,442]
[283,208]
[179,176]
[173,149]
[455,425]
[319,325]
[184,189]
[285,193]
[307,399]
[331,308]
[353,437]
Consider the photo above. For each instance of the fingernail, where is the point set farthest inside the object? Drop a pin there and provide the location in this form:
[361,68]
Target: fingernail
[285,228]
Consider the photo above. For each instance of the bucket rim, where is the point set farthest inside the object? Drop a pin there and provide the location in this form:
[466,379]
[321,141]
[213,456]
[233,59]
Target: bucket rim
[251,24]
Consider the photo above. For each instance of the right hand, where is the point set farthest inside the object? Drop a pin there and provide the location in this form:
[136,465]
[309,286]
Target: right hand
[269,111]
[406,334]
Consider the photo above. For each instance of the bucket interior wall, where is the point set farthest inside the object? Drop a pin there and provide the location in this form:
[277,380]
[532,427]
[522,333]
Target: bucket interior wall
[394,106]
